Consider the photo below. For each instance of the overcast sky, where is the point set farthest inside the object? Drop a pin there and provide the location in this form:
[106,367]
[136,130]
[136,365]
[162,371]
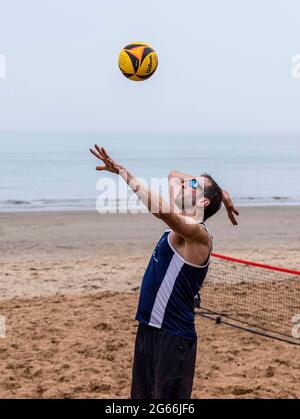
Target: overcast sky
[223,65]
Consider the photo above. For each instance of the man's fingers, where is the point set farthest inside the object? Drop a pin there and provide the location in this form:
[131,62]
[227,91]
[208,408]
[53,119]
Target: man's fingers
[234,221]
[109,164]
[105,153]
[104,156]
[99,151]
[232,218]
[233,209]
[99,154]
[95,154]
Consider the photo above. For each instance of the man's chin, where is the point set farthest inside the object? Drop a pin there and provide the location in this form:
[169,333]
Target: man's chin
[185,206]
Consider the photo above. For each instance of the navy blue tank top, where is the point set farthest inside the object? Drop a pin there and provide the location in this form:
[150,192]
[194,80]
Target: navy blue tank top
[168,290]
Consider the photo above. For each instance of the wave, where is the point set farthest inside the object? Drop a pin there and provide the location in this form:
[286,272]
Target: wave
[46,204]
[17,202]
[79,204]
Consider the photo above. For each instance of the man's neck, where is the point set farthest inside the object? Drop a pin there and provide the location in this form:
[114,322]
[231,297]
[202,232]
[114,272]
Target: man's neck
[193,215]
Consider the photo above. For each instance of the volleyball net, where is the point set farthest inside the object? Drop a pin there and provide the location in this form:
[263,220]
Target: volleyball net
[259,298]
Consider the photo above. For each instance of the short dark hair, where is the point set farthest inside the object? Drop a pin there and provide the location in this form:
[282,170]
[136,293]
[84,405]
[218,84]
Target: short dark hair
[214,193]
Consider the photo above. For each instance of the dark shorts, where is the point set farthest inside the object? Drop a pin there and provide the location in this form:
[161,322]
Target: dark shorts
[163,366]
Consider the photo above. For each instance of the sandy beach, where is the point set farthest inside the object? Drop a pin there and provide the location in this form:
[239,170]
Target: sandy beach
[69,286]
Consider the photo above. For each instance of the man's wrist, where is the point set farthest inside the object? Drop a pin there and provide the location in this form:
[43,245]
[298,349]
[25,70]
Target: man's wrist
[126,175]
[174,174]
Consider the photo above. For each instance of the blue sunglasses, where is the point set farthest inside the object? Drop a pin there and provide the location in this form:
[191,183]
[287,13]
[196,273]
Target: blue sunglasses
[194,183]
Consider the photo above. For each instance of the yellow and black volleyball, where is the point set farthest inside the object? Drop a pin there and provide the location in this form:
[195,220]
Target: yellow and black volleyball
[138,61]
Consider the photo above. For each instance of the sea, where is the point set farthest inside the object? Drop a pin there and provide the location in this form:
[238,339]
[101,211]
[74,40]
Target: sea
[53,170]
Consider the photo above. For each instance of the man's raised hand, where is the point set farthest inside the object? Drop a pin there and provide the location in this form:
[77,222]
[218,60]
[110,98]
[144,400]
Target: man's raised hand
[109,164]
[230,208]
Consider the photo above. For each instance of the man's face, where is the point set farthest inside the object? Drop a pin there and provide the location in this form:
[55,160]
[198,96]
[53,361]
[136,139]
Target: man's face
[189,193]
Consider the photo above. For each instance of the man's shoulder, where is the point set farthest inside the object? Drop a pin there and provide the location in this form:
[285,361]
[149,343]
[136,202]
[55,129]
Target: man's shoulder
[202,238]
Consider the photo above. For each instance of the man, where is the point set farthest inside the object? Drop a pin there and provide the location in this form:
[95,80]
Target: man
[166,342]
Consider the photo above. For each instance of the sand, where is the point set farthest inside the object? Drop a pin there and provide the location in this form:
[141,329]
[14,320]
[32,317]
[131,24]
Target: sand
[69,287]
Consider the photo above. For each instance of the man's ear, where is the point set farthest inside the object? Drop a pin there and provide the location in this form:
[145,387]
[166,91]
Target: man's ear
[204,202]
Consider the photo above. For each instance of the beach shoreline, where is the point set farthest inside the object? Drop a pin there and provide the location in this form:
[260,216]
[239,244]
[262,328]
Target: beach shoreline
[21,207]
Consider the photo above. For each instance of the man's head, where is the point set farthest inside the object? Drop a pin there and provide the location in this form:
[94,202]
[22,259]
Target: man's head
[201,193]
